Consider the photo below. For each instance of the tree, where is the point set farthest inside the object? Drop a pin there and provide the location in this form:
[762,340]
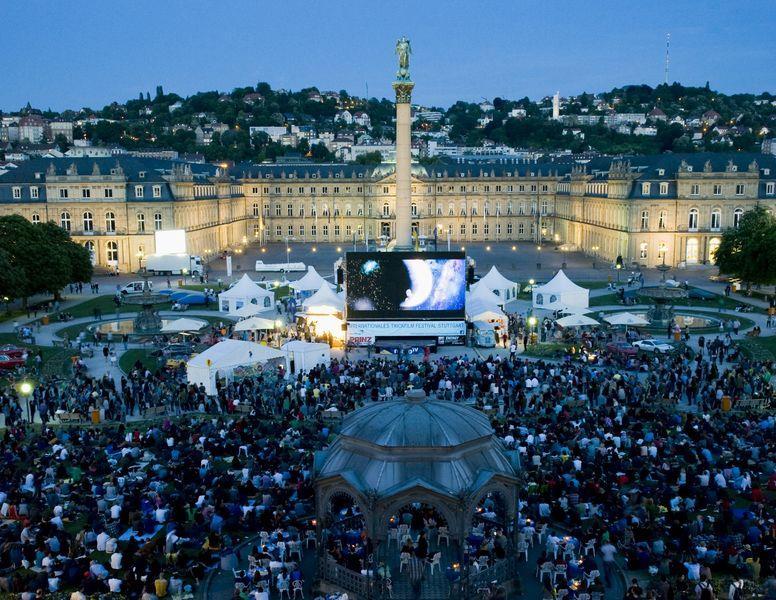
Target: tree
[61,141]
[42,257]
[749,251]
[370,158]
[11,277]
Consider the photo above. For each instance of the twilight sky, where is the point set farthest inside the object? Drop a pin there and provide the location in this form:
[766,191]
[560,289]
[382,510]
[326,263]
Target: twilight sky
[74,53]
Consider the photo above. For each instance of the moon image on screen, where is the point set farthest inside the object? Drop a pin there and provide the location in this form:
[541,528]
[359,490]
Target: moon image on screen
[422,279]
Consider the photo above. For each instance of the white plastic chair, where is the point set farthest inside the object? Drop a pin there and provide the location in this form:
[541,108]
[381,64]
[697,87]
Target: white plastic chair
[435,562]
[404,560]
[298,588]
[559,570]
[443,533]
[310,537]
[589,547]
[522,548]
[393,534]
[545,569]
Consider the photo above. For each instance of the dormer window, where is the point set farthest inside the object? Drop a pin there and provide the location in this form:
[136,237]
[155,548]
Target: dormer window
[661,172]
[141,175]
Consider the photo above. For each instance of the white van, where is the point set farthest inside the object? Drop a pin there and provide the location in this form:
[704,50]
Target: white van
[135,287]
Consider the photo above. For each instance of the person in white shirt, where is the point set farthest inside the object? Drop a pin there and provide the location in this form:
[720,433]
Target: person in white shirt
[719,479]
[114,585]
[115,511]
[115,560]
[102,539]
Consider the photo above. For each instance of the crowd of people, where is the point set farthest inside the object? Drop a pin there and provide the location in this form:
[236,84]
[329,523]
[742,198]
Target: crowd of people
[643,464]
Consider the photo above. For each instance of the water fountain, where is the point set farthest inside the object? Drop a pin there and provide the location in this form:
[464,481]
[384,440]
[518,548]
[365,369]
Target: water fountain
[147,319]
[663,298]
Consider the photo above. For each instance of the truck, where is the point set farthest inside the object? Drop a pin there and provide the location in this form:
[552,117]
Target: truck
[174,264]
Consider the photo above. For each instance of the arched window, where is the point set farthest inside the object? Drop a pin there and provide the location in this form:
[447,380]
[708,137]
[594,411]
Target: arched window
[643,250]
[414,209]
[692,221]
[716,218]
[88,220]
[157,221]
[645,219]
[140,222]
[89,245]
[35,218]
[110,222]
[386,209]
[661,220]
[737,214]
[112,252]
[713,247]
[64,220]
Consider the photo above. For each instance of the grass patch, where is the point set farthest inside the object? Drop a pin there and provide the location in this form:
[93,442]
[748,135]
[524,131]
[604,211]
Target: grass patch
[762,348]
[551,350]
[130,357]
[55,361]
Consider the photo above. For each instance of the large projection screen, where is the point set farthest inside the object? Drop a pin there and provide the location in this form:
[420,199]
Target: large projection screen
[405,285]
[170,241]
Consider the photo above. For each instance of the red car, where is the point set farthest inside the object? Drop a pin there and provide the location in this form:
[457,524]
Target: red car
[622,349]
[10,362]
[13,351]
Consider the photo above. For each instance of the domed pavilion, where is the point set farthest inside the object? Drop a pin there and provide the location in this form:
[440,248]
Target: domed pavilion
[419,463]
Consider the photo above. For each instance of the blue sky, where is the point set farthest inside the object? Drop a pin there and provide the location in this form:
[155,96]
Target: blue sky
[68,54]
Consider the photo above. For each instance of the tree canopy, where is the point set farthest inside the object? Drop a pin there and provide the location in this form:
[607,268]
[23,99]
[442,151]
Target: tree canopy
[749,251]
[39,258]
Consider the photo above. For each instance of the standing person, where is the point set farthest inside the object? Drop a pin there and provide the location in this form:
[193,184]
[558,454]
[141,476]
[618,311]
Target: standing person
[607,552]
[105,353]
[415,569]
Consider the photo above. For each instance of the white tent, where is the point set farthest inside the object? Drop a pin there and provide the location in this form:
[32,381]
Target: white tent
[223,358]
[324,302]
[249,310]
[254,323]
[481,292]
[500,285]
[310,282]
[303,356]
[576,320]
[480,310]
[245,292]
[183,324]
[560,292]
[626,318]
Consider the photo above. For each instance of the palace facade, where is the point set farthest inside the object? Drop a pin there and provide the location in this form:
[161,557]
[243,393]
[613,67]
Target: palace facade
[644,208]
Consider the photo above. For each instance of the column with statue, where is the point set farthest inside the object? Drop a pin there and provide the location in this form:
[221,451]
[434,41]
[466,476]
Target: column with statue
[403,88]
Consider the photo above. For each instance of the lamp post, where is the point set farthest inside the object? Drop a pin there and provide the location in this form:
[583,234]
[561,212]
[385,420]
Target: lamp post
[538,257]
[25,390]
[618,266]
[532,324]
[595,255]
[288,252]
[140,256]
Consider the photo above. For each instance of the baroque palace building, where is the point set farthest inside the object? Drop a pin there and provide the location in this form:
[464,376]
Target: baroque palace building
[644,208]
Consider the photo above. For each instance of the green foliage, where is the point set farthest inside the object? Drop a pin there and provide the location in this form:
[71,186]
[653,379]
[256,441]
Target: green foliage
[370,158]
[39,258]
[749,251]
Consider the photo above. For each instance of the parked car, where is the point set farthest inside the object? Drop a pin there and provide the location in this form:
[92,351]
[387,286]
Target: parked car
[13,351]
[8,363]
[653,346]
[699,294]
[135,287]
[622,349]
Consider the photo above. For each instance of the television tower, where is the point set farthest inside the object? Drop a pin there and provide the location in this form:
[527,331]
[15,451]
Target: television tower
[668,58]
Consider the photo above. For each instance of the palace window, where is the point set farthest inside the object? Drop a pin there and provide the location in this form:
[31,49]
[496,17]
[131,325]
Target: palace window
[644,219]
[88,220]
[737,214]
[717,189]
[645,188]
[474,228]
[63,192]
[509,228]
[140,222]
[35,192]
[35,218]
[695,189]
[663,188]
[138,191]
[520,228]
[716,218]
[386,209]
[86,193]
[692,221]
[17,193]
[64,220]
[313,230]
[157,221]
[740,188]
[277,210]
[278,231]
[643,250]
[110,222]
[661,219]
[157,191]
[290,230]
[290,210]
[325,230]
[256,209]
[336,230]
[463,228]
[108,192]
[112,252]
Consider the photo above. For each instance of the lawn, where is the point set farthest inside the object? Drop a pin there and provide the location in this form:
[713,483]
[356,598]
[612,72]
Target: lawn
[130,357]
[56,361]
[762,348]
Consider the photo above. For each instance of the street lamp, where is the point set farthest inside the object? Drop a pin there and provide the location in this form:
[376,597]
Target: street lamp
[538,257]
[140,255]
[25,389]
[618,266]
[532,325]
[288,252]
[595,255]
